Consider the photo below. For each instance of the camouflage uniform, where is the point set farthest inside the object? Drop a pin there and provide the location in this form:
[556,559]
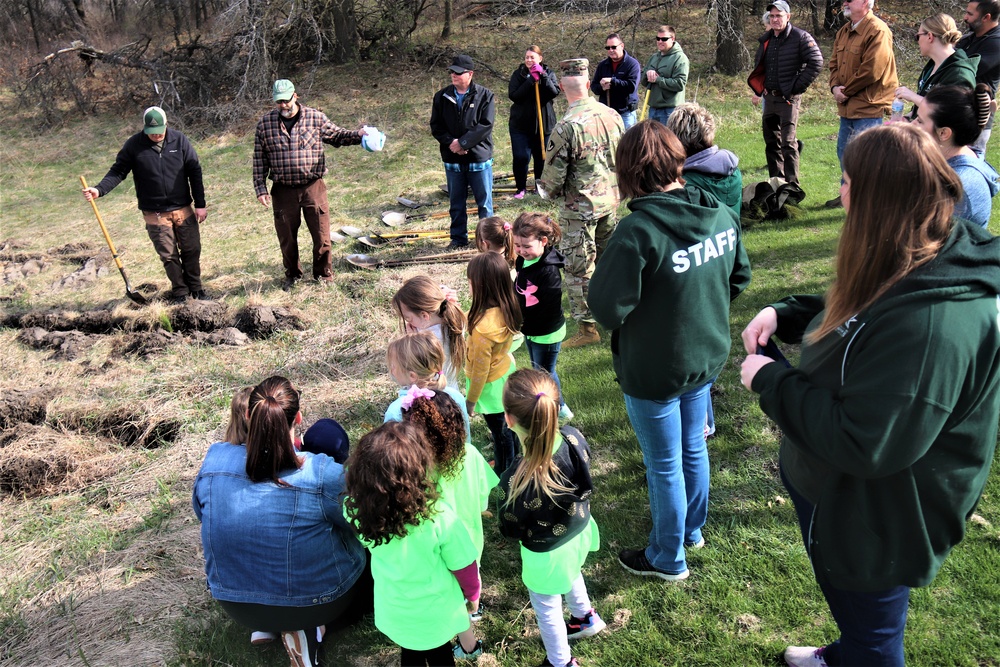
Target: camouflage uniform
[580,169]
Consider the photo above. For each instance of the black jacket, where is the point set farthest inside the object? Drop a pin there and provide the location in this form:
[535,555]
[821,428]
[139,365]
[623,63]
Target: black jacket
[624,84]
[472,125]
[796,56]
[524,111]
[988,49]
[539,292]
[164,181]
[540,524]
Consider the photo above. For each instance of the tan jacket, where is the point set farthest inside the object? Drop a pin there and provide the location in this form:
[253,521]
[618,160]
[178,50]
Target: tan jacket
[486,356]
[863,62]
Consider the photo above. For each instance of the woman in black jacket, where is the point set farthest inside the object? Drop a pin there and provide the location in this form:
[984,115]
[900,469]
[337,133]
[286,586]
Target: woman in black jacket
[525,139]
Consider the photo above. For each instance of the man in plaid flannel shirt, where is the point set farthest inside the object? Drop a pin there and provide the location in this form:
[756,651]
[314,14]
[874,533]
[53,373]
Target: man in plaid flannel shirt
[288,149]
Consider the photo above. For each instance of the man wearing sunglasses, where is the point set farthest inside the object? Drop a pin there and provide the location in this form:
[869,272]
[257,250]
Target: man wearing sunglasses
[787,62]
[862,74]
[983,39]
[616,80]
[666,75]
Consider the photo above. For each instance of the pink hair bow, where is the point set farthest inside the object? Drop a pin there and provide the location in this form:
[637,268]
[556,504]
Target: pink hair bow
[506,226]
[413,393]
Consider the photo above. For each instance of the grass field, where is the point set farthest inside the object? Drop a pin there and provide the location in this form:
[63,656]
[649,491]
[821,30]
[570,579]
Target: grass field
[104,568]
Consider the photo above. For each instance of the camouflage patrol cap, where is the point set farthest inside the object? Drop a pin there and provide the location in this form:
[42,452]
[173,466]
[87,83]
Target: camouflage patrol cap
[574,67]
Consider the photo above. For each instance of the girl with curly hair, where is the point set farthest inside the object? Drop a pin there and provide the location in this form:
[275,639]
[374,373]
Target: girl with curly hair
[544,503]
[463,476]
[423,560]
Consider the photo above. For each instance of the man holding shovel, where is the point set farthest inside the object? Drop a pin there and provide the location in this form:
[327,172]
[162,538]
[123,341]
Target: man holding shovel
[167,177]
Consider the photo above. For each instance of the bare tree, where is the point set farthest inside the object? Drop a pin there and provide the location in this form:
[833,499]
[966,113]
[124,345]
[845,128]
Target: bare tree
[732,56]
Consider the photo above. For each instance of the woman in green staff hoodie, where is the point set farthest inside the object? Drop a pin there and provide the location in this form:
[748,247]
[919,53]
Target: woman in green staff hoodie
[663,287]
[890,420]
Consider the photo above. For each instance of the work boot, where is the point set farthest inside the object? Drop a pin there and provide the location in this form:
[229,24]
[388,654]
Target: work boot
[585,335]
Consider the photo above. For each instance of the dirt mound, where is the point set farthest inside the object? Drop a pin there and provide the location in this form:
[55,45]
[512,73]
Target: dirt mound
[75,248]
[37,460]
[260,322]
[129,426]
[68,345]
[200,316]
[23,405]
[83,277]
[91,321]
[142,344]
[229,336]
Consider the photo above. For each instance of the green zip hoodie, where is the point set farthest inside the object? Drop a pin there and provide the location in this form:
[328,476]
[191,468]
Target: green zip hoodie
[663,286]
[890,421]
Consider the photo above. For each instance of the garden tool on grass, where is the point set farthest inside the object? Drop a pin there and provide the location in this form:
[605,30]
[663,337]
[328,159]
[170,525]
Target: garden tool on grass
[134,296]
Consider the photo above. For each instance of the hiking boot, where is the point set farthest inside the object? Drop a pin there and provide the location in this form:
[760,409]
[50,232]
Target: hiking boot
[635,561]
[805,656]
[288,283]
[461,654]
[834,203]
[588,626]
[199,295]
[585,335]
[457,244]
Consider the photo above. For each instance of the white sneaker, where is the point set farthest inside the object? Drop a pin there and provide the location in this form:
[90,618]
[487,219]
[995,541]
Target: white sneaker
[805,656]
[259,637]
[565,414]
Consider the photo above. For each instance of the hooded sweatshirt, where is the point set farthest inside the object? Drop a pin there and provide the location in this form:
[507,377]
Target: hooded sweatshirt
[958,69]
[663,288]
[714,170]
[486,356]
[980,183]
[890,421]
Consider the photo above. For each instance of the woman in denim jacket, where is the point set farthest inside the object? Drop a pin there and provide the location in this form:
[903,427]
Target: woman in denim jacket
[279,555]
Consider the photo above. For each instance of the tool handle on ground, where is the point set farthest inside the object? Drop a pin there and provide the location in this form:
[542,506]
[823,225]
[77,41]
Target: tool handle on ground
[107,237]
[645,105]
[541,125]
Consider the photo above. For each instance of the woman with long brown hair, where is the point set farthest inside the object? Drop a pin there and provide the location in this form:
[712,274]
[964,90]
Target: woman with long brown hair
[279,555]
[890,420]
[532,88]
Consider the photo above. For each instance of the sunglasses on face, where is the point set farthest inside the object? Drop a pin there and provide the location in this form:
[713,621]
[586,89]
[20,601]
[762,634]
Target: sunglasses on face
[611,48]
[664,39]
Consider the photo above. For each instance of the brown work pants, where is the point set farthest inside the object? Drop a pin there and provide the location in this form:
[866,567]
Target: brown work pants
[781,148]
[176,235]
[309,200]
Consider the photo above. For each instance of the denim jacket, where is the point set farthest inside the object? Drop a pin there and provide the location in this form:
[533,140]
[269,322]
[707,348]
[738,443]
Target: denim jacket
[270,544]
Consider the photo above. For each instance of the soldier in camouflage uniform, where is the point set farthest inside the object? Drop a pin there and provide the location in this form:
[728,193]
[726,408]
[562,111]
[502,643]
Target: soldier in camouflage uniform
[580,170]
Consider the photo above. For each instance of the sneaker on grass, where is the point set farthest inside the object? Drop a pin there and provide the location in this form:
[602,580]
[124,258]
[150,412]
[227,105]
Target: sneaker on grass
[805,656]
[635,561]
[461,654]
[588,626]
[258,637]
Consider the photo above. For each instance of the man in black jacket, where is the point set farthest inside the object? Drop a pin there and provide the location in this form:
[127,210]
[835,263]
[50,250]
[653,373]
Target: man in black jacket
[167,177]
[616,80]
[983,39]
[787,62]
[462,122]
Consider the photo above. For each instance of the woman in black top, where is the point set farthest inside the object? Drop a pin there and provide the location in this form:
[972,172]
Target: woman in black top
[525,139]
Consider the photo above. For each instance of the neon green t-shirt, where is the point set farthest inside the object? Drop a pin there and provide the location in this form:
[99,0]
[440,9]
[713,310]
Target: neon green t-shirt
[469,493]
[553,572]
[418,602]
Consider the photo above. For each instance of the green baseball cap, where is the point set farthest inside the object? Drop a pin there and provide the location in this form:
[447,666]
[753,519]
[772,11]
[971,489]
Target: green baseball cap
[154,121]
[283,90]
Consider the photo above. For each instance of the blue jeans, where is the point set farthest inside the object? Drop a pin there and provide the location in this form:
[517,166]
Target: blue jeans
[543,357]
[871,624]
[671,436]
[524,147]
[459,183]
[505,444]
[850,127]
[979,145]
[628,117]
[661,115]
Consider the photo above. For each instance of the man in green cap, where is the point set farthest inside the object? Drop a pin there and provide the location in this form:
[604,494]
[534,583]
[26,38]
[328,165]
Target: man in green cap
[288,149]
[580,170]
[167,177]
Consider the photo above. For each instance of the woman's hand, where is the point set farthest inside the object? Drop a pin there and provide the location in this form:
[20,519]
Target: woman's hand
[905,93]
[750,366]
[760,330]
[470,408]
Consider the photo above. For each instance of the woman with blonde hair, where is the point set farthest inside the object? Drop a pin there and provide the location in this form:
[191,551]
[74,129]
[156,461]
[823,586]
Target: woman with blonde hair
[936,39]
[890,420]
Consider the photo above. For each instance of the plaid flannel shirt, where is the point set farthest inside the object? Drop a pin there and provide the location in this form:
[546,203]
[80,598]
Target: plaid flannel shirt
[295,158]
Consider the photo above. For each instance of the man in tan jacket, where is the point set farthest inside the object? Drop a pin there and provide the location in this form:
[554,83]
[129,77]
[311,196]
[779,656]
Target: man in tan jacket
[862,73]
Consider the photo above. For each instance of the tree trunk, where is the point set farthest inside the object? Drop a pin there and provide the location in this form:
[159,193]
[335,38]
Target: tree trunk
[446,29]
[345,30]
[731,56]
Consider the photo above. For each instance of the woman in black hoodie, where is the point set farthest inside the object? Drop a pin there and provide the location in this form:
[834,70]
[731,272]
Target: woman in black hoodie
[526,140]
